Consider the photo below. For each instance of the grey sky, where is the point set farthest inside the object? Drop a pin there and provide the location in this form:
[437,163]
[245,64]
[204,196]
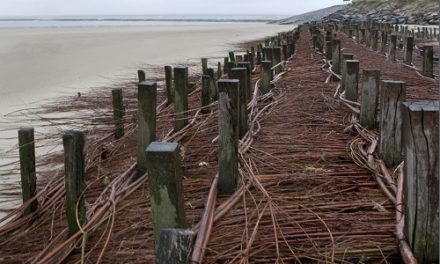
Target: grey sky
[88,7]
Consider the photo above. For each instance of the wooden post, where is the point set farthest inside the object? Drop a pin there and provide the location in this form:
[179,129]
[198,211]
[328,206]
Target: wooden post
[421,183]
[428,60]
[118,112]
[225,65]
[285,51]
[141,75]
[266,76]
[73,142]
[277,59]
[383,45]
[228,136]
[212,86]
[219,70]
[241,75]
[336,56]
[238,58]
[328,50]
[169,84]
[362,36]
[344,58]
[175,246]
[180,97]
[268,54]
[231,56]
[28,173]
[206,97]
[370,92]
[375,39]
[231,65]
[409,50]
[147,93]
[392,94]
[204,65]
[352,80]
[393,44]
[165,184]
[258,57]
[248,91]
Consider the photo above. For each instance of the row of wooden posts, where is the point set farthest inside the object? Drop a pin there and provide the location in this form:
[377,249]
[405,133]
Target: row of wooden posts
[379,38]
[161,160]
[409,132]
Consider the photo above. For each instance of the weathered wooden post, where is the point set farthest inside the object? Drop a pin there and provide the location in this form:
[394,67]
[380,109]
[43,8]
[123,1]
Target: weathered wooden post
[277,59]
[180,97]
[336,56]
[141,75]
[344,58]
[384,39]
[73,142]
[268,54]
[118,112]
[147,93]
[370,93]
[212,86]
[409,50]
[314,41]
[421,183]
[428,60]
[238,58]
[362,36]
[328,50]
[375,39]
[169,84]
[266,76]
[352,80]
[231,56]
[258,57]
[204,65]
[393,44]
[392,94]
[231,65]
[285,55]
[241,75]
[175,246]
[165,184]
[219,70]
[206,96]
[225,65]
[248,91]
[28,173]
[228,136]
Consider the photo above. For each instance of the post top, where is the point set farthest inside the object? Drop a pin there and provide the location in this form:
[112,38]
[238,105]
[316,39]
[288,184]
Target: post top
[233,81]
[147,83]
[393,82]
[238,69]
[162,147]
[352,61]
[422,106]
[180,67]
[26,129]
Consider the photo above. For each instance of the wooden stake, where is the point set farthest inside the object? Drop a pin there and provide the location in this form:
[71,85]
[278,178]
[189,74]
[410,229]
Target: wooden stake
[392,94]
[73,142]
[266,76]
[241,75]
[409,50]
[28,173]
[118,112]
[169,84]
[428,61]
[175,246]
[393,44]
[180,97]
[165,184]
[370,93]
[147,94]
[352,80]
[228,135]
[421,183]
[336,56]
[206,97]
[141,75]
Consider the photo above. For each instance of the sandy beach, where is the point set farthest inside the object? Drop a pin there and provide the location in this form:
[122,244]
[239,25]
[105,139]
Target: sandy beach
[37,63]
[42,63]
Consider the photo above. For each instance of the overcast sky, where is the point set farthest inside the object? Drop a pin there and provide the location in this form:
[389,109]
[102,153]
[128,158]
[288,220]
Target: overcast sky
[120,7]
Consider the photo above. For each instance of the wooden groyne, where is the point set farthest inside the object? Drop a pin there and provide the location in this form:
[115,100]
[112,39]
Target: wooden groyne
[276,159]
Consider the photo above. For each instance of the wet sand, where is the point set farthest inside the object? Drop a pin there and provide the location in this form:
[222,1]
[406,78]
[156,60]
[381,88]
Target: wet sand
[45,62]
